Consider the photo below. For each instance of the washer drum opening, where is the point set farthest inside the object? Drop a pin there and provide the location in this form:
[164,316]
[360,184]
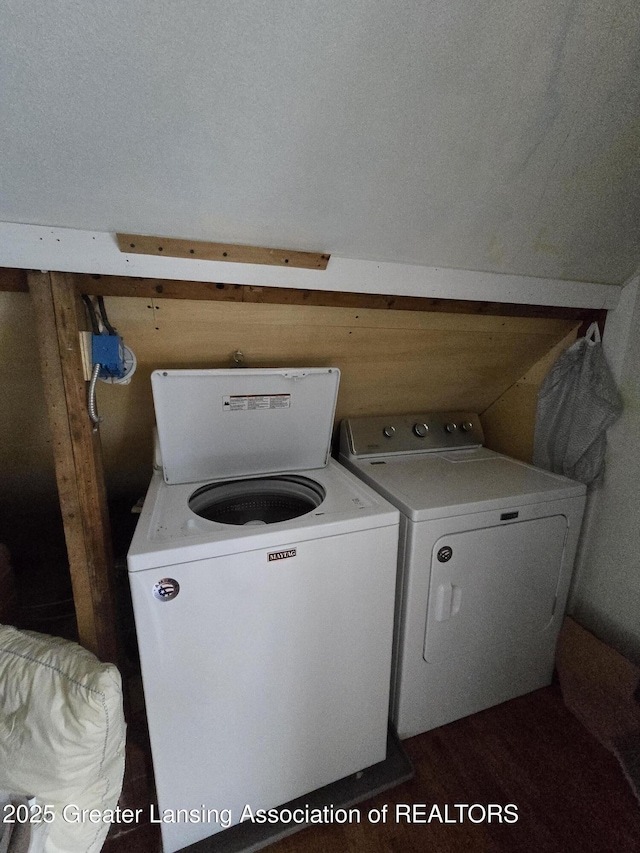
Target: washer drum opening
[264,500]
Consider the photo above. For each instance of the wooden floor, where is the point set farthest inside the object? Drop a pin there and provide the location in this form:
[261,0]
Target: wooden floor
[532,752]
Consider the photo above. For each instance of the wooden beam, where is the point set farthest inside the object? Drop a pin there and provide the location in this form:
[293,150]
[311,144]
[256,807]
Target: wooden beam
[149,288]
[137,244]
[78,461]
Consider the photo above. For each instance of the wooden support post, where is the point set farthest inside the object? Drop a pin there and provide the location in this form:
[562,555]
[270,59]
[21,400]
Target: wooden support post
[78,461]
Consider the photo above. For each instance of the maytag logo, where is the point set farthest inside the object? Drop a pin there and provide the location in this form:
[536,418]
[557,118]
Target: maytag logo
[281,555]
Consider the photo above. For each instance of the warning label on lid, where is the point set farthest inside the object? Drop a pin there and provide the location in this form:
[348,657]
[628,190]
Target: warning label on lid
[251,402]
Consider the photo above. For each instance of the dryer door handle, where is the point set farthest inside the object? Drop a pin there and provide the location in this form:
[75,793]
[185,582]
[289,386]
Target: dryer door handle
[448,599]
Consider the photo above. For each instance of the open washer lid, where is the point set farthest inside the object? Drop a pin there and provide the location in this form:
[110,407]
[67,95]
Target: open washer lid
[222,424]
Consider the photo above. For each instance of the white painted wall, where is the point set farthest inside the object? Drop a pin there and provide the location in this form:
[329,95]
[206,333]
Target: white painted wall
[498,135]
[606,595]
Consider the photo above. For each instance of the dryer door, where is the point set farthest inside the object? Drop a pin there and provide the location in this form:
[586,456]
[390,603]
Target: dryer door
[492,586]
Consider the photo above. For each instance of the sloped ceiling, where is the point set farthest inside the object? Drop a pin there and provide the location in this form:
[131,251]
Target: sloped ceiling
[497,135]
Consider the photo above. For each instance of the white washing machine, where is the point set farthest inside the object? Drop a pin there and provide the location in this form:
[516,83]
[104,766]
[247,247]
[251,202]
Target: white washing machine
[487,545]
[263,576]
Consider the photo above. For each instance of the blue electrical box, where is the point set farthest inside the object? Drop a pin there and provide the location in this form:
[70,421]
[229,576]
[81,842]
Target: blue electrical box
[107,351]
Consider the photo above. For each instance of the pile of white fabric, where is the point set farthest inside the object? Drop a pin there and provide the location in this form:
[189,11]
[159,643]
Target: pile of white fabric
[62,742]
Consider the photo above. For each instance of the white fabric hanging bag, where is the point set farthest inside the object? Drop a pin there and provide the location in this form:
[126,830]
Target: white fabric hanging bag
[577,402]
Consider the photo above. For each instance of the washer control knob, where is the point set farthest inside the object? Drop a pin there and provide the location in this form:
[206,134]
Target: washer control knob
[450,427]
[467,426]
[420,430]
[389,431]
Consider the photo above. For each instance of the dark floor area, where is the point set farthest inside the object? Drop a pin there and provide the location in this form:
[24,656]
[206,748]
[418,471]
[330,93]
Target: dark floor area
[570,793]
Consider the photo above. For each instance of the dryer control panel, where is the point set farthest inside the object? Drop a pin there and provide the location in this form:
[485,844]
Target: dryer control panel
[391,434]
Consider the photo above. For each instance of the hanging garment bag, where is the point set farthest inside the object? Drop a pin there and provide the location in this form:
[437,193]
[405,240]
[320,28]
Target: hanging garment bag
[577,402]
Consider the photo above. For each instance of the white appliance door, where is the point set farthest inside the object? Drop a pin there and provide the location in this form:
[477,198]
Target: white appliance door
[220,424]
[266,677]
[492,586]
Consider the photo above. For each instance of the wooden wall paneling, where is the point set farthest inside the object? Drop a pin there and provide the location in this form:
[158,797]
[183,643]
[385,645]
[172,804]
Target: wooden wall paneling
[30,523]
[391,361]
[24,428]
[78,463]
[13,280]
[509,422]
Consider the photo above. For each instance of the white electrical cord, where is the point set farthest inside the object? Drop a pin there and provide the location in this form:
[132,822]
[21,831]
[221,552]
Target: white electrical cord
[93,412]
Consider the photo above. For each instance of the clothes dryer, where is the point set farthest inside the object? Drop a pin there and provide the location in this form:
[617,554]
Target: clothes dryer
[262,576]
[487,545]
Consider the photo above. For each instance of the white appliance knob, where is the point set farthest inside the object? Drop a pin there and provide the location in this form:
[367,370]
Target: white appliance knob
[420,430]
[389,431]
[450,428]
[467,426]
